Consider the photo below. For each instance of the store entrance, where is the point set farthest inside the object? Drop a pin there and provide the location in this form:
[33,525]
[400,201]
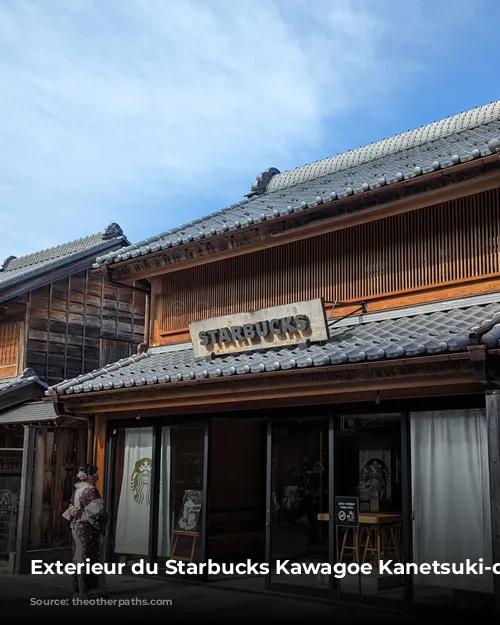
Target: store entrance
[371,468]
[314,462]
[237,500]
[298,492]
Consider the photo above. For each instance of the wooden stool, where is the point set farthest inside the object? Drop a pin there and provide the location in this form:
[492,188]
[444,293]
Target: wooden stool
[391,540]
[354,546]
[373,545]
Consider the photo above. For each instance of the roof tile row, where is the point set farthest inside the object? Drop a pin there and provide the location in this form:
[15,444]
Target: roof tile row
[406,337]
[471,137]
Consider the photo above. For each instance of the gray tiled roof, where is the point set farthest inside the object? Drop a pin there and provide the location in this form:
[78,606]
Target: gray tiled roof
[15,270]
[29,412]
[431,333]
[440,145]
[423,135]
[28,376]
[8,381]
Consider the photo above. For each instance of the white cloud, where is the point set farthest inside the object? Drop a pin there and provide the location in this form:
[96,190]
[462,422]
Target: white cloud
[111,106]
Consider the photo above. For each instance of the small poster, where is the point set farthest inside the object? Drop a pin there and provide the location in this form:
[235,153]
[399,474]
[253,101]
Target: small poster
[190,511]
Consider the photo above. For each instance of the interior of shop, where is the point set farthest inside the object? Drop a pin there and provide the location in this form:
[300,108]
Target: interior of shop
[368,465]
[236,514]
[299,493]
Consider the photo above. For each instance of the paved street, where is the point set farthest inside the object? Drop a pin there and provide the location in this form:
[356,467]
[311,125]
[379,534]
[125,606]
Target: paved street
[36,596]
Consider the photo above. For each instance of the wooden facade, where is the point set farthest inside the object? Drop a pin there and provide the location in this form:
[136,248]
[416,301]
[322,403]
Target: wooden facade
[59,451]
[389,256]
[72,326]
[427,240]
[443,250]
[61,325]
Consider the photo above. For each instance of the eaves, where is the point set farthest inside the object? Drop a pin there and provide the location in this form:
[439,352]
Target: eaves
[314,218]
[51,272]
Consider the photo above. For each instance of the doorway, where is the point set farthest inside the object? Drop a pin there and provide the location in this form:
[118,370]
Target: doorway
[157,477]
[313,461]
[371,465]
[299,485]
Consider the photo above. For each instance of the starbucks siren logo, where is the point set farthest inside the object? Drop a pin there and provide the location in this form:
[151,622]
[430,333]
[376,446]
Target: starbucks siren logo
[140,482]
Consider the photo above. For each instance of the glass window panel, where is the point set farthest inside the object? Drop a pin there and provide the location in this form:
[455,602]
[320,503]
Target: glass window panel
[181,491]
[299,495]
[368,466]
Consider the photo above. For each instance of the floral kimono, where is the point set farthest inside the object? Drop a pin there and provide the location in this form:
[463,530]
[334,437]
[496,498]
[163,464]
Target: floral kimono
[88,522]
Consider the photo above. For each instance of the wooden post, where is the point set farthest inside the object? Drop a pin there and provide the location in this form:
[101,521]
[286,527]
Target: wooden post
[90,441]
[23,523]
[493,420]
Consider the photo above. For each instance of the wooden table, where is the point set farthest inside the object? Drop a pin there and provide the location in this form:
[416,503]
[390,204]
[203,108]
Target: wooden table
[376,523]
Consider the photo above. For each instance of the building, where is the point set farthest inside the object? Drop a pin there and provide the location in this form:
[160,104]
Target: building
[320,381]
[59,318]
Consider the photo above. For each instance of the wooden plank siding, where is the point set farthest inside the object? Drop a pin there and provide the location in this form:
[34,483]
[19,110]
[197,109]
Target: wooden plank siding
[442,246]
[67,320]
[11,335]
[113,350]
[58,452]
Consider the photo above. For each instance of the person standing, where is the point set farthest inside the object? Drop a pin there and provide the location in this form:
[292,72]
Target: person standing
[88,520]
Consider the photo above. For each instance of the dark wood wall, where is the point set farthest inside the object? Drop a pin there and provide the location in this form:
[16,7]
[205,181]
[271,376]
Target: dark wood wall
[446,244]
[58,452]
[79,324]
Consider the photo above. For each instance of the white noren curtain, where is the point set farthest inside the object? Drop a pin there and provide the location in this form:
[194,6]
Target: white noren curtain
[451,497]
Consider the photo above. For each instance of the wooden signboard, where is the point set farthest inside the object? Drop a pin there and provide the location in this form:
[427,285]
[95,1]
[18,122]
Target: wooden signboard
[260,329]
[187,524]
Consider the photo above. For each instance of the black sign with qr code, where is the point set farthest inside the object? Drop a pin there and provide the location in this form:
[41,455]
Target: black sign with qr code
[347,511]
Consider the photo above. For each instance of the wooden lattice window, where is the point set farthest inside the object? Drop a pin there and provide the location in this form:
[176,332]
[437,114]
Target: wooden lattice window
[10,348]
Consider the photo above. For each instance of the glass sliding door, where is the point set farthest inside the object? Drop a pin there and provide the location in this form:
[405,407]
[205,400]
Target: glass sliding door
[368,459]
[156,493]
[182,496]
[298,496]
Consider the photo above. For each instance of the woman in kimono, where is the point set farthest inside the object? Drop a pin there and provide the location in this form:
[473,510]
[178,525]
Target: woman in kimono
[88,521]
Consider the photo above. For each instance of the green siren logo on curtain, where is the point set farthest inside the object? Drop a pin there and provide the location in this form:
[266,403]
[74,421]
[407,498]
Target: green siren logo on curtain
[140,481]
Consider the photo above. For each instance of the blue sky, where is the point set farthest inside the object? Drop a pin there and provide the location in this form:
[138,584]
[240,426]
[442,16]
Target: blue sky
[151,113]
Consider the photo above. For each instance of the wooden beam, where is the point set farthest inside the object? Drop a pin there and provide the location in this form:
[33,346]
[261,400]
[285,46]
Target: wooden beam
[100,448]
[84,324]
[493,421]
[24,519]
[461,189]
[238,405]
[89,452]
[47,347]
[66,321]
[301,389]
[26,331]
